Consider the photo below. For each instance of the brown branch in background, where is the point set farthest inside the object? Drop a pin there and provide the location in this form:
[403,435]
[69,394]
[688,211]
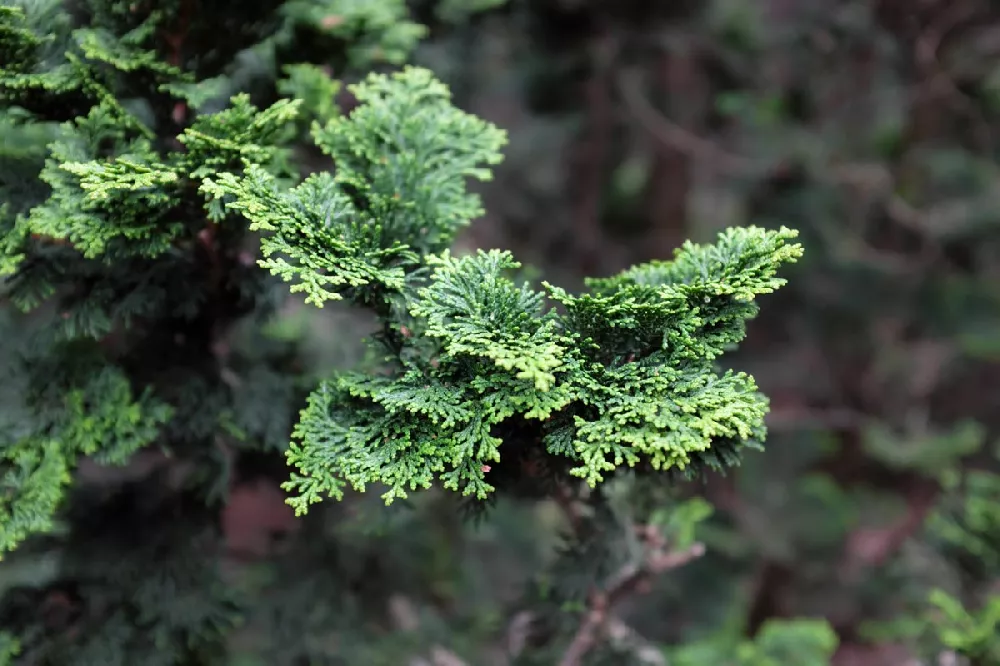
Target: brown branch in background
[592,155]
[873,546]
[873,179]
[667,195]
[644,651]
[938,83]
[175,40]
[772,582]
[672,134]
[633,579]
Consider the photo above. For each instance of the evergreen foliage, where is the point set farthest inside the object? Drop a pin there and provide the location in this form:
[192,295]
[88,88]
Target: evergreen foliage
[118,197]
[178,178]
[123,287]
[624,377]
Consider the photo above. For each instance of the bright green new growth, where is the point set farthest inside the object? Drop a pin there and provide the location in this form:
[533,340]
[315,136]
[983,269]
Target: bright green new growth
[397,195]
[621,375]
[127,204]
[113,194]
[476,287]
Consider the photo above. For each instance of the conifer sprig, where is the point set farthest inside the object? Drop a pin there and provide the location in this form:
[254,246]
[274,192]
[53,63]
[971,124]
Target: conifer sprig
[622,376]
[397,194]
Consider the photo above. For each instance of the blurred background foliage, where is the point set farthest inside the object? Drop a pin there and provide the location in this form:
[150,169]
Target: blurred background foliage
[867,533]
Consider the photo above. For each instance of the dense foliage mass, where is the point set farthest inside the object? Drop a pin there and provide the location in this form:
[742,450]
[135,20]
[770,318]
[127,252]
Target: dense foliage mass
[204,207]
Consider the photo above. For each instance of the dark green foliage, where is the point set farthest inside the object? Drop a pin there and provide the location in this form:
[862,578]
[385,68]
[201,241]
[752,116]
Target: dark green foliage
[371,32]
[967,526]
[59,407]
[968,522]
[116,200]
[147,589]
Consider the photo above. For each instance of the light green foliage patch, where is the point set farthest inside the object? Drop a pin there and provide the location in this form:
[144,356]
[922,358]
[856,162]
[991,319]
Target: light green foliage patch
[314,88]
[405,155]
[398,191]
[10,648]
[498,320]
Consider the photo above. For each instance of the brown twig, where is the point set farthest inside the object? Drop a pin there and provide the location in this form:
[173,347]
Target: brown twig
[872,547]
[668,132]
[175,40]
[873,178]
[630,581]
